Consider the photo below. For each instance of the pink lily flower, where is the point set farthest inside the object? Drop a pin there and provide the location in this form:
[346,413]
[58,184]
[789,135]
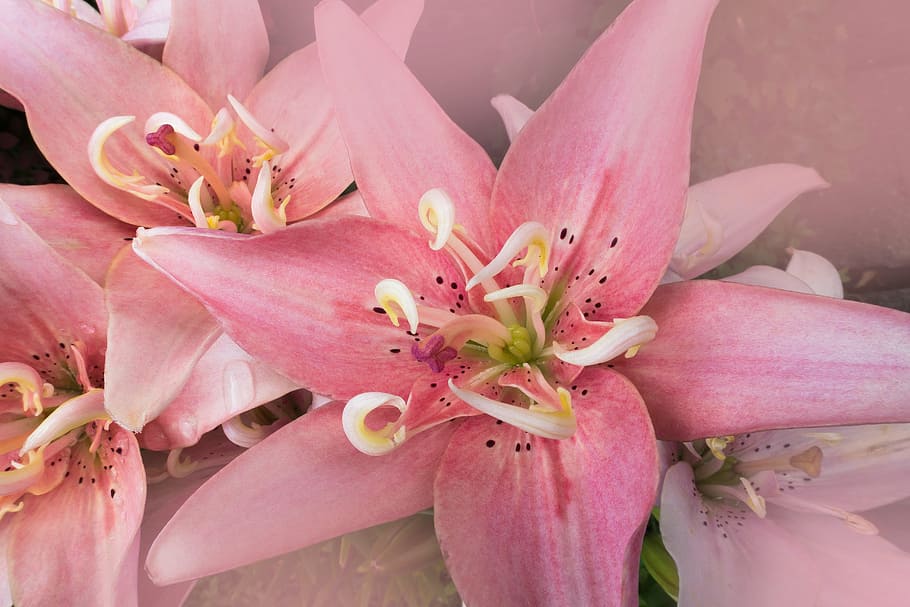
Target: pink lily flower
[265,140]
[73,487]
[557,462]
[771,518]
[140,22]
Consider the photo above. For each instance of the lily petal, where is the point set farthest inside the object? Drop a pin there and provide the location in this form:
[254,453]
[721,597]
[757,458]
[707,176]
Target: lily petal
[401,142]
[817,272]
[77,91]
[513,112]
[756,359]
[82,532]
[311,311]
[228,39]
[156,333]
[570,537]
[312,484]
[729,556]
[774,278]
[741,205]
[47,308]
[82,234]
[589,163]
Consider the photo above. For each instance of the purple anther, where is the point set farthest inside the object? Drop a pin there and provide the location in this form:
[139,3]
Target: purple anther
[159,139]
[434,353]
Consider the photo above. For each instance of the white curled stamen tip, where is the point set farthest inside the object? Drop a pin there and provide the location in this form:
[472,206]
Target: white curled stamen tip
[180,467]
[718,444]
[437,214]
[72,414]
[539,421]
[159,119]
[105,170]
[534,293]
[194,198]
[365,439]
[391,291]
[223,134]
[530,235]
[756,503]
[275,144]
[266,217]
[627,335]
[243,435]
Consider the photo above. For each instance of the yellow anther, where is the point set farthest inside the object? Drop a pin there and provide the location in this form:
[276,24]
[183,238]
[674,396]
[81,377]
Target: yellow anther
[718,445]
[133,183]
[437,214]
[394,297]
[365,439]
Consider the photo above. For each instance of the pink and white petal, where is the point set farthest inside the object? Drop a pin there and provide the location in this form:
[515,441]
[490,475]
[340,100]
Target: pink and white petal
[588,164]
[854,569]
[318,158]
[817,272]
[77,91]
[524,520]
[307,484]
[739,205]
[730,359]
[82,234]
[774,278]
[82,532]
[514,114]
[156,334]
[349,204]
[299,318]
[400,141]
[727,555]
[47,305]
[152,26]
[225,382]
[228,38]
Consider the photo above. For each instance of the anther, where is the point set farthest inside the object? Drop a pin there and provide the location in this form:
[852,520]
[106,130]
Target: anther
[366,440]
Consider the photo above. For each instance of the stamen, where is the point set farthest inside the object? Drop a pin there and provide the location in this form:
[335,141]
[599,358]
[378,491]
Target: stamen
[531,236]
[535,299]
[391,291]
[537,420]
[166,123]
[28,383]
[81,369]
[626,335]
[194,198]
[372,442]
[434,353]
[273,144]
[23,476]
[74,413]
[267,218]
[180,468]
[755,502]
[244,435]
[718,444]
[134,184]
[437,214]
[223,134]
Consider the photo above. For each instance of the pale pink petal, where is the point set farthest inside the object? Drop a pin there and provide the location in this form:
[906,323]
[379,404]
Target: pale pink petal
[218,50]
[400,141]
[6,596]
[80,535]
[604,162]
[726,555]
[151,28]
[730,359]
[891,521]
[285,313]
[349,204]
[774,278]
[156,333]
[82,234]
[741,205]
[854,569]
[47,305]
[318,158]
[817,272]
[304,484]
[525,520]
[225,382]
[514,114]
[76,91]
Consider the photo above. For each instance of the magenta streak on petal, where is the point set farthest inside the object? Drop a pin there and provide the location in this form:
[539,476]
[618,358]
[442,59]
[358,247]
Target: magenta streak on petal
[434,354]
[159,139]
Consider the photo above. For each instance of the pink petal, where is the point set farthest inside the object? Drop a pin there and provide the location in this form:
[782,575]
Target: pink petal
[307,484]
[299,318]
[891,521]
[217,50]
[730,359]
[401,142]
[817,272]
[318,157]
[607,155]
[156,333]
[774,278]
[80,535]
[726,555]
[514,114]
[152,26]
[225,382]
[67,94]
[524,520]
[854,569]
[742,204]
[87,238]
[349,204]
[47,305]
